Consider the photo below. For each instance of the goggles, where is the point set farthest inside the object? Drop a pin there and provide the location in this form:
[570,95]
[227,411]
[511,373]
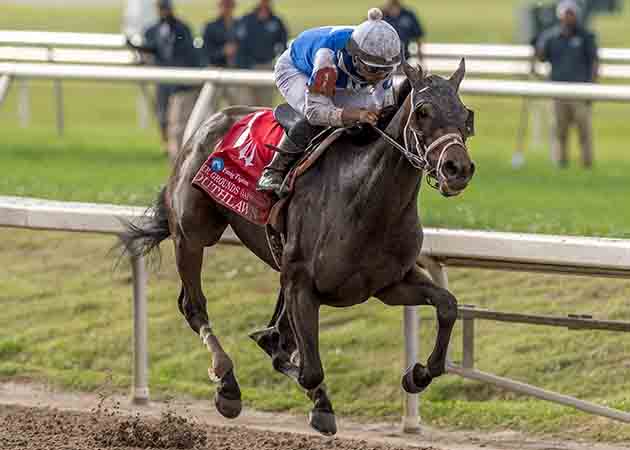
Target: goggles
[376,70]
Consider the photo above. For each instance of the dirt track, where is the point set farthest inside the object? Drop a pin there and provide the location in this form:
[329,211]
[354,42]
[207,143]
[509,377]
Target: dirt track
[33,417]
[43,428]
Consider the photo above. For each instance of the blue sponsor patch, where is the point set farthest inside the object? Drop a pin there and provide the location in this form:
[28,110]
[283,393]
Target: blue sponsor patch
[217,165]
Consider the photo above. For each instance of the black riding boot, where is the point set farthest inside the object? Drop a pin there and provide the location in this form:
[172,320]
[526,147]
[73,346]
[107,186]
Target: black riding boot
[289,151]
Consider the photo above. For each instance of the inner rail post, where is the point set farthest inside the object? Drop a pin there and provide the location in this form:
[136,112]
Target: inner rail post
[468,339]
[140,389]
[437,271]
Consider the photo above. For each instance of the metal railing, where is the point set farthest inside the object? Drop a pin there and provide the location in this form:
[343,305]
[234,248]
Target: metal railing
[441,64]
[469,314]
[430,50]
[62,39]
[441,248]
[68,55]
[532,89]
[526,89]
[110,49]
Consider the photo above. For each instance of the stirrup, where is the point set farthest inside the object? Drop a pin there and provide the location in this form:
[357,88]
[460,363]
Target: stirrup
[270,185]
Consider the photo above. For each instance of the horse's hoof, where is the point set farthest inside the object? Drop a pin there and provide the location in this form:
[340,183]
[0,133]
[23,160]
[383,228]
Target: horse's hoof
[230,409]
[323,422]
[416,379]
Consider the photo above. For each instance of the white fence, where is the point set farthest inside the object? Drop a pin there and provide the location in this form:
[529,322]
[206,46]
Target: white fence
[532,89]
[442,248]
[431,50]
[84,72]
[63,39]
[110,49]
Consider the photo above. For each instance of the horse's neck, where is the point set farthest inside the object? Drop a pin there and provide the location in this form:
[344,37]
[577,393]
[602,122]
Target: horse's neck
[390,172]
[406,176]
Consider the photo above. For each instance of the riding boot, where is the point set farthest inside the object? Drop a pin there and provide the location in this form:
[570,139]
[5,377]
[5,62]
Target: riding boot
[289,151]
[273,176]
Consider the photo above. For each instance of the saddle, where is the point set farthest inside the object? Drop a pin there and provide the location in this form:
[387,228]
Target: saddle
[231,172]
[287,117]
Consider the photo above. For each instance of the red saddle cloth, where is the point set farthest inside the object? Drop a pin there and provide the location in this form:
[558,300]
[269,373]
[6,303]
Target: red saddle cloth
[231,172]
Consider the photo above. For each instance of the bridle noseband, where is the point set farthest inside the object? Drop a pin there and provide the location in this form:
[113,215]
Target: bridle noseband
[419,160]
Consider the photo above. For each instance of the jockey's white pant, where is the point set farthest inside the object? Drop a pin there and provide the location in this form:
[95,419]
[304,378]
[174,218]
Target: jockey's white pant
[293,85]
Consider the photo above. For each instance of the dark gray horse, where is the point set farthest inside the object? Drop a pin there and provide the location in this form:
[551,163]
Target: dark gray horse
[352,232]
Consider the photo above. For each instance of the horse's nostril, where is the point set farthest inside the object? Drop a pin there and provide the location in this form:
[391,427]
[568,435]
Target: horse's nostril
[450,169]
[472,168]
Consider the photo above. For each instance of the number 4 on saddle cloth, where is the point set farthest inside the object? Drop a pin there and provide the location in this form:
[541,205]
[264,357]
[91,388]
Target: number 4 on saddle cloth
[231,172]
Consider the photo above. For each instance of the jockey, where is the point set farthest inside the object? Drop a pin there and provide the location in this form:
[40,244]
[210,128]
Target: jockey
[333,77]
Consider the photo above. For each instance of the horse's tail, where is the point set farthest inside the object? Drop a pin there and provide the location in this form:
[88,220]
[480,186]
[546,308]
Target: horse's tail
[145,235]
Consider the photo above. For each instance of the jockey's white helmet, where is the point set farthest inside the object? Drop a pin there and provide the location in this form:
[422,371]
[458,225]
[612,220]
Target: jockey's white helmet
[375,42]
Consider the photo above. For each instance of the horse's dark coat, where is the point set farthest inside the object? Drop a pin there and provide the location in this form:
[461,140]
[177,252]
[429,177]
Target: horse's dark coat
[353,232]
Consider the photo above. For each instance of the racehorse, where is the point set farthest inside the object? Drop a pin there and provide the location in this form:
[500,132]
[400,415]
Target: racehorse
[352,232]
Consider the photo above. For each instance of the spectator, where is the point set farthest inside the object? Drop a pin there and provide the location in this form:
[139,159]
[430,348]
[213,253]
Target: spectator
[219,49]
[170,42]
[572,51]
[261,37]
[406,24]
[219,45]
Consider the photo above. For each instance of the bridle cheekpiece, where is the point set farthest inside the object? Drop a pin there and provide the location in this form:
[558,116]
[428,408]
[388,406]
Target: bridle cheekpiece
[414,143]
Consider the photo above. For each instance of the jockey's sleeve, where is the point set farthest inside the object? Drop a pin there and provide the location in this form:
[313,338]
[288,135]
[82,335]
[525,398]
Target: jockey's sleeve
[320,108]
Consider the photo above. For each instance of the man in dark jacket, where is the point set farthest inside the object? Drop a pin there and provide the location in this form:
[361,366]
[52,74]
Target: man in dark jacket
[572,51]
[219,50]
[406,24]
[261,38]
[170,43]
[219,42]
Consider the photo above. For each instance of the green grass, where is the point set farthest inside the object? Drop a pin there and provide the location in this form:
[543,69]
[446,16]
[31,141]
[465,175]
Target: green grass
[489,21]
[67,316]
[67,320]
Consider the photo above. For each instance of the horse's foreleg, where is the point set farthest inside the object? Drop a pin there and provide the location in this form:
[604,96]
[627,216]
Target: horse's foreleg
[417,289]
[303,316]
[303,313]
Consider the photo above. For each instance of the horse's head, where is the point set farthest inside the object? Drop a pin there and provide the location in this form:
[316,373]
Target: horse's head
[437,128]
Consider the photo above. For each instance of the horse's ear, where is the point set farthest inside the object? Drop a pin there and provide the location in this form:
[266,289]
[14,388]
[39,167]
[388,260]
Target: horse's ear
[414,75]
[458,76]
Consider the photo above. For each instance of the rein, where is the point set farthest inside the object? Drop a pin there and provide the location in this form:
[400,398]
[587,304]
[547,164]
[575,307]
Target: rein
[421,161]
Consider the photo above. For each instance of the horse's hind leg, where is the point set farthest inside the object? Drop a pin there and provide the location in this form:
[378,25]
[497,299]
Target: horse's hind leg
[277,340]
[202,226]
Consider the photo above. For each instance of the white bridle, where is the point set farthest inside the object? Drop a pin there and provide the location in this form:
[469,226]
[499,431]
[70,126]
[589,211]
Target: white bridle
[420,160]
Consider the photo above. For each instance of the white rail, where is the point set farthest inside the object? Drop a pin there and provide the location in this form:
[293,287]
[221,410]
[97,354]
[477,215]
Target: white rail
[513,68]
[62,39]
[437,65]
[432,50]
[509,52]
[5,84]
[512,251]
[578,91]
[68,55]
